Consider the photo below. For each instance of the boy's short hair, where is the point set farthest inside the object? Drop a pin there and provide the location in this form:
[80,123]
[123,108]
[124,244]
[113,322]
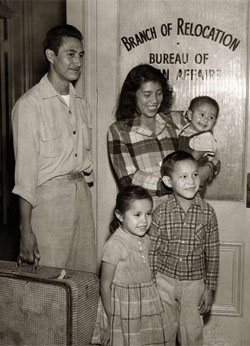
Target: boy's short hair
[169,161]
[54,36]
[201,99]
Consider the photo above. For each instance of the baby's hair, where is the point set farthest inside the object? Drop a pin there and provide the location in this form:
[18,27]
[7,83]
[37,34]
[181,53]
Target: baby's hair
[124,199]
[204,99]
[169,161]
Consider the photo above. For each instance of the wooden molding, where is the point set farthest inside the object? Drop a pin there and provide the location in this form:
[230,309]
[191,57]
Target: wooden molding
[232,280]
[27,44]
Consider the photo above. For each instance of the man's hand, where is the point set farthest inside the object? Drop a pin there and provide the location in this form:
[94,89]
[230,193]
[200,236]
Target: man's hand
[206,301]
[28,243]
[28,248]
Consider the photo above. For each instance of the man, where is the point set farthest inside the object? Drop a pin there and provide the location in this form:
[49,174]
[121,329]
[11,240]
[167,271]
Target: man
[52,144]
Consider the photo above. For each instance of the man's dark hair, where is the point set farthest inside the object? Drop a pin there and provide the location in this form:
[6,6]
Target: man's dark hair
[54,36]
[169,161]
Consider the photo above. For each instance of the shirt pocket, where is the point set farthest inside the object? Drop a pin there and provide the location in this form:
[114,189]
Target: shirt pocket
[199,233]
[51,142]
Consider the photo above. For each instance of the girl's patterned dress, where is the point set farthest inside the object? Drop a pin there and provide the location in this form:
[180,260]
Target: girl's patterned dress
[137,317]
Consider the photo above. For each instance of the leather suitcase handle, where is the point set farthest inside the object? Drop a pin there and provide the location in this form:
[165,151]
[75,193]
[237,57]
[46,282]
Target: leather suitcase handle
[20,262]
[34,269]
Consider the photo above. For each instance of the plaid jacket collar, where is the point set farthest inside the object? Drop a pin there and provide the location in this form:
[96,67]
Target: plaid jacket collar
[173,204]
[160,123]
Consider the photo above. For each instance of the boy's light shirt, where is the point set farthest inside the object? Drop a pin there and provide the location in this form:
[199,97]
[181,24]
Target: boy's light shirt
[202,141]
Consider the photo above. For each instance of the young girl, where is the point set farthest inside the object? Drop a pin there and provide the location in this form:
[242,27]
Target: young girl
[130,311]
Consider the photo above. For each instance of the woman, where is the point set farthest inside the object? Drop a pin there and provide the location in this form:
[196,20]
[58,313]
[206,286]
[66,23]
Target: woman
[144,132]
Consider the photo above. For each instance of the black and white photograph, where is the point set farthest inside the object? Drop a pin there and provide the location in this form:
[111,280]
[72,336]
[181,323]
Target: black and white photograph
[124,172]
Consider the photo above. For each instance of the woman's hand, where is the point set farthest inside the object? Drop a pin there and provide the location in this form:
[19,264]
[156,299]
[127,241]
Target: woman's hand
[210,170]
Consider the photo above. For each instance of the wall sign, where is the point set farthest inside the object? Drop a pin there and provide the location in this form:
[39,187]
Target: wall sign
[201,47]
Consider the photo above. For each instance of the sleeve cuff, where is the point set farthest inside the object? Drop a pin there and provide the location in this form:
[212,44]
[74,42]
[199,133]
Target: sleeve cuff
[18,190]
[211,286]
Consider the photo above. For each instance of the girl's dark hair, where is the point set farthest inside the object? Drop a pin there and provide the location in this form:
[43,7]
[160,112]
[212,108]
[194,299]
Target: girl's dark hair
[204,99]
[54,36]
[140,74]
[169,161]
[124,199]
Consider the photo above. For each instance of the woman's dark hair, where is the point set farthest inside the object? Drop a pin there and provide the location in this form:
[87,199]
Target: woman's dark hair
[140,74]
[54,36]
[124,199]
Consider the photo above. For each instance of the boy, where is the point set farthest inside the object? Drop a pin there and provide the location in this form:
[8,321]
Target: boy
[184,252]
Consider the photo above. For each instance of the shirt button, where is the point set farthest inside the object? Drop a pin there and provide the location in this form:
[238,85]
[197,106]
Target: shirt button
[140,248]
[75,155]
[74,132]
[69,112]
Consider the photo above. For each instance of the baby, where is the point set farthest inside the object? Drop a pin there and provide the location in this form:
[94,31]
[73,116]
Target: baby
[197,137]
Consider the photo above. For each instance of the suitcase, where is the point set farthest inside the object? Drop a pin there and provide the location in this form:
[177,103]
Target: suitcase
[44,307]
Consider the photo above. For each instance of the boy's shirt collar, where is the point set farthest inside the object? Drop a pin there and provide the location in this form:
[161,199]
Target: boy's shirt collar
[174,204]
[189,131]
